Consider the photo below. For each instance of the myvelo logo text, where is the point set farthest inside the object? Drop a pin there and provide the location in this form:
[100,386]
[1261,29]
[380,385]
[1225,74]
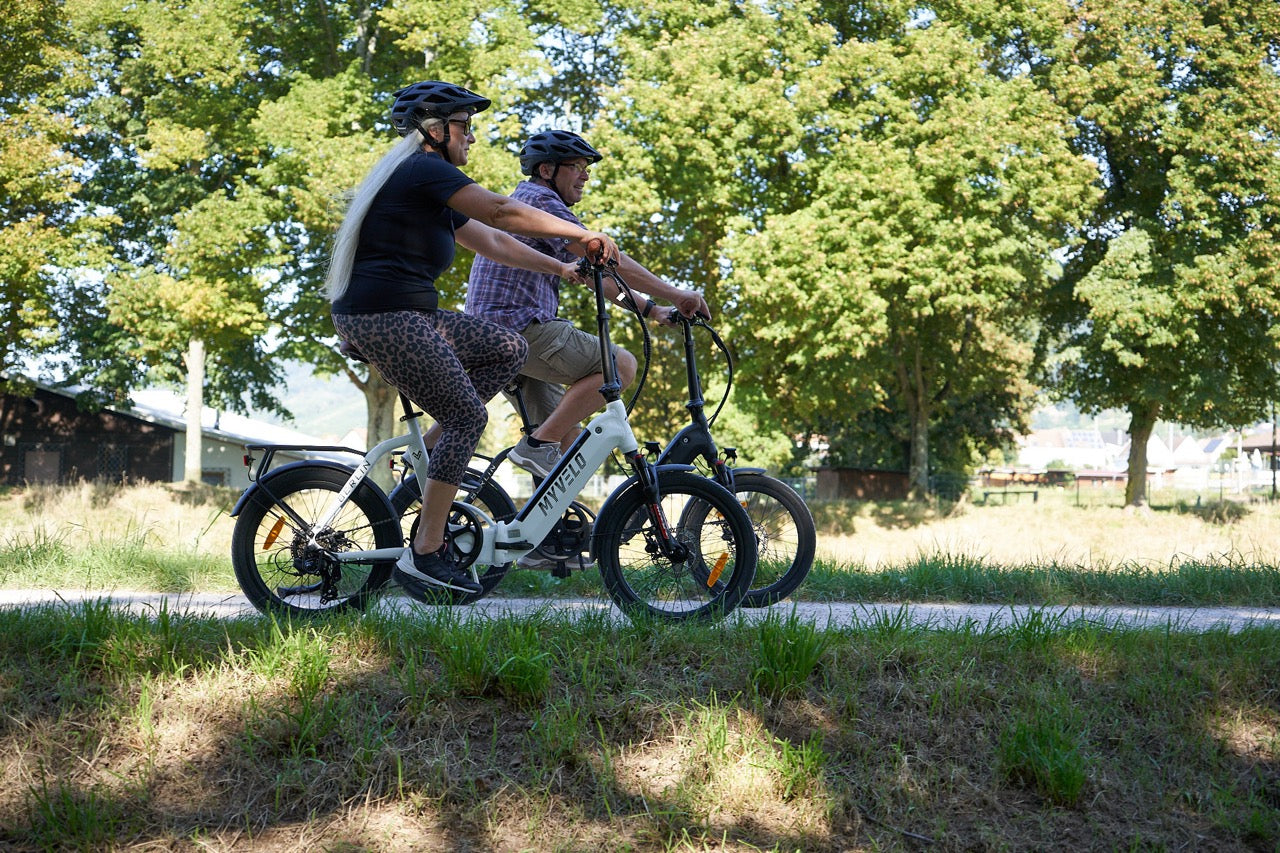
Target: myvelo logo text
[572,468]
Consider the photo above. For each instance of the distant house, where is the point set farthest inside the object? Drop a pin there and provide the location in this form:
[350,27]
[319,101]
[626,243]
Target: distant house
[1182,461]
[46,438]
[1072,448]
[1265,442]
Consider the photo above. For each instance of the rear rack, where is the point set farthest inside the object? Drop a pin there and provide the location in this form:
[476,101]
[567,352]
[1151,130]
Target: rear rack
[269,451]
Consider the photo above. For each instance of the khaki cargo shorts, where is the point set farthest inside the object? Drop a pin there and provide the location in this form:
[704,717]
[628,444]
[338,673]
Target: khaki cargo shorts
[559,354]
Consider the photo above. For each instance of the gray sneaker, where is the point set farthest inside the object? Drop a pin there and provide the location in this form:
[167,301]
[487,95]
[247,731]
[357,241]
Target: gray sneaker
[535,460]
[538,562]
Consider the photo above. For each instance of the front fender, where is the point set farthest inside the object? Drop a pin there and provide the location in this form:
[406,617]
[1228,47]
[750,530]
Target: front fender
[632,483]
[345,470]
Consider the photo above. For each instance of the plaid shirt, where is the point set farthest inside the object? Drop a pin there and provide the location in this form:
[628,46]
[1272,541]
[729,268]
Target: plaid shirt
[513,297]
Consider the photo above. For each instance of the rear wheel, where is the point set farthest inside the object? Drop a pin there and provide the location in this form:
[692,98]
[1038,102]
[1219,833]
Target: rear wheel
[705,573]
[286,565]
[406,500]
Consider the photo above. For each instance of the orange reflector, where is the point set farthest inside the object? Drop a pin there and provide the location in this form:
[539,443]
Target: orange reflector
[715,573]
[275,531]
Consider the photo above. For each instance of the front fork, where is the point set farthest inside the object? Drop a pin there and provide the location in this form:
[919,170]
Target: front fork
[663,540]
[722,469]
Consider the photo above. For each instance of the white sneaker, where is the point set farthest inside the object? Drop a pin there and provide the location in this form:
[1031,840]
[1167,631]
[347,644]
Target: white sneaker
[535,460]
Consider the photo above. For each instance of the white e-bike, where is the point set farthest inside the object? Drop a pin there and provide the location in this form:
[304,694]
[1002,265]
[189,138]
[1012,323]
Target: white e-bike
[319,536]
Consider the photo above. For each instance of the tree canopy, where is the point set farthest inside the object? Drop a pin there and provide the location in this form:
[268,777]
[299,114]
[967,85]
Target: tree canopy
[910,219]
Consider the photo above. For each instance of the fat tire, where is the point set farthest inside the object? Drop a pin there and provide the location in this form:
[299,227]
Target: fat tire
[266,542]
[786,538]
[646,586]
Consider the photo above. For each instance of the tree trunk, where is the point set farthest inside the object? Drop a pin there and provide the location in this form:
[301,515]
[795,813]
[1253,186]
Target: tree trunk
[918,466]
[193,466]
[1142,422]
[381,401]
[912,382]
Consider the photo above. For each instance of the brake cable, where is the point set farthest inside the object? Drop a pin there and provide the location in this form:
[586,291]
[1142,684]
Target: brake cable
[629,302]
[728,360]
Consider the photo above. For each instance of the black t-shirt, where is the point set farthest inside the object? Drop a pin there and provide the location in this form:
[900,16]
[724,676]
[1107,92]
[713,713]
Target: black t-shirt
[406,239]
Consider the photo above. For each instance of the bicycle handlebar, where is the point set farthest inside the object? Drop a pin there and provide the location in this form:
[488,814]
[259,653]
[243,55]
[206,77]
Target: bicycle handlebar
[586,266]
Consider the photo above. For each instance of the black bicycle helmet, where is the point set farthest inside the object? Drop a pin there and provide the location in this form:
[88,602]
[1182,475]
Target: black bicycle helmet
[432,99]
[555,146]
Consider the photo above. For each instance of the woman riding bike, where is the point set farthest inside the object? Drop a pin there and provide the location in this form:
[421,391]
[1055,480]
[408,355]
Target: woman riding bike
[397,238]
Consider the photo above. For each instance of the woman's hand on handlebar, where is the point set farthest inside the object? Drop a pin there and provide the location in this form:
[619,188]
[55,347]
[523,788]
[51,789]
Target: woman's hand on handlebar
[598,248]
[576,271]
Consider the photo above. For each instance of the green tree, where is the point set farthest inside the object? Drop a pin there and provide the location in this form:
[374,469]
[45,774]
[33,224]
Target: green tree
[44,240]
[1174,297]
[699,134]
[166,88]
[914,277]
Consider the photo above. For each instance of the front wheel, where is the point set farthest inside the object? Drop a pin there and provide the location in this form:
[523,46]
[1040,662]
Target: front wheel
[285,563]
[712,565]
[785,536]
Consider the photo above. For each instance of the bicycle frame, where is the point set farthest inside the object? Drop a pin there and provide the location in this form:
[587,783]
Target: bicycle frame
[503,541]
[695,440]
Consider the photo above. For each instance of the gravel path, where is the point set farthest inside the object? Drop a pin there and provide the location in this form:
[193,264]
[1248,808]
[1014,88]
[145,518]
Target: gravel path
[231,605]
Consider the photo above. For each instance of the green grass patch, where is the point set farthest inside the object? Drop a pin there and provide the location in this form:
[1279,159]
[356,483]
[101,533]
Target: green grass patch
[557,733]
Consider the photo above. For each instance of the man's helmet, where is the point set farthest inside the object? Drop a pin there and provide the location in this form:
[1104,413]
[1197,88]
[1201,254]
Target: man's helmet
[432,99]
[555,146]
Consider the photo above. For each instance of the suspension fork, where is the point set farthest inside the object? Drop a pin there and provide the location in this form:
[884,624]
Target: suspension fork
[722,473]
[647,476]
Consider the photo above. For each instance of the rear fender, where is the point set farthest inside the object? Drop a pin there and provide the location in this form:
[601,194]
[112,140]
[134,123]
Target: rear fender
[263,483]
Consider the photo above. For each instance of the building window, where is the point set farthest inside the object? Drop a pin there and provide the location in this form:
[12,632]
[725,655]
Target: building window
[41,464]
[113,461]
[214,476]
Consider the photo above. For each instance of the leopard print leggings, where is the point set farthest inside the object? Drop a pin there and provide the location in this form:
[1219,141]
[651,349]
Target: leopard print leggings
[447,363]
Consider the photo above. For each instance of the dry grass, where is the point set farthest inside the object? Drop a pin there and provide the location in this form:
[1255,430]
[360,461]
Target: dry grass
[177,516]
[1051,530]
[195,521]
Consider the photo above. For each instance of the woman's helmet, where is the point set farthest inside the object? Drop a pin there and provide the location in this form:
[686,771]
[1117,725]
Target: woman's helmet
[555,146]
[432,99]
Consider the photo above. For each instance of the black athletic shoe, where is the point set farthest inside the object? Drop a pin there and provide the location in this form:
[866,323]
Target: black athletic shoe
[434,569]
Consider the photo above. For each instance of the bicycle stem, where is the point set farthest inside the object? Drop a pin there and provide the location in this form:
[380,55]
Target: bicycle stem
[611,389]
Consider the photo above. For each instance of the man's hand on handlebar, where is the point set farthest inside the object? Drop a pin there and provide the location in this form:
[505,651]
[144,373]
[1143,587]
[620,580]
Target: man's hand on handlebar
[579,272]
[691,304]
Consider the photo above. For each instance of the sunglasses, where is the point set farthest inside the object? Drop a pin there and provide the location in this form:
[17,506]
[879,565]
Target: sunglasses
[465,122]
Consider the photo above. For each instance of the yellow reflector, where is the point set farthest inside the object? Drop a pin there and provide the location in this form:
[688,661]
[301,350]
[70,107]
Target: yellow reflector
[715,573]
[275,531]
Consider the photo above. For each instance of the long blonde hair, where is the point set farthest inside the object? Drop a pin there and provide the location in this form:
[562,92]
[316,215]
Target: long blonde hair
[348,236]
